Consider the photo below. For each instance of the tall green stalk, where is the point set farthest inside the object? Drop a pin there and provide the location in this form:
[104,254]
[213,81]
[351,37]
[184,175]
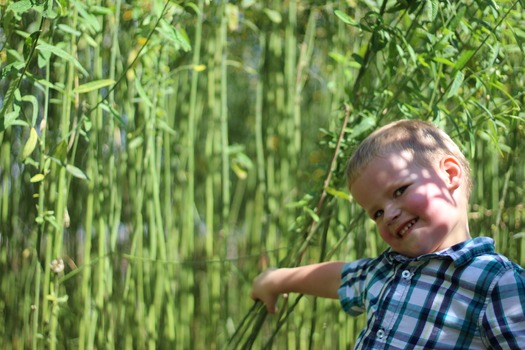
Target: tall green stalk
[208,134]
[225,161]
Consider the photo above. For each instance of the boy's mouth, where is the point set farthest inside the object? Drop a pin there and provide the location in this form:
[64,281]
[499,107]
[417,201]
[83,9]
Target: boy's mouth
[404,229]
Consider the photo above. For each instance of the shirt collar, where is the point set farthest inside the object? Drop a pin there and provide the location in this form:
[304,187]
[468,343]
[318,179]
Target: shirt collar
[460,253]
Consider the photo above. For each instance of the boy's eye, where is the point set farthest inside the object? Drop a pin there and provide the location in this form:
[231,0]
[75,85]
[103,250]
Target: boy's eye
[400,191]
[377,215]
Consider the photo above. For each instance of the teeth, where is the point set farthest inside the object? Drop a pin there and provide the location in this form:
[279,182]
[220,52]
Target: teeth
[405,229]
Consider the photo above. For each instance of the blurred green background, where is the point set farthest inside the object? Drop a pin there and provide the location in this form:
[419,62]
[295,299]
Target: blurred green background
[155,156]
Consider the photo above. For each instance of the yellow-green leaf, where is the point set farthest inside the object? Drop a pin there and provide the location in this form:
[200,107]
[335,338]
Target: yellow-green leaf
[444,61]
[30,144]
[337,193]
[199,67]
[93,85]
[37,178]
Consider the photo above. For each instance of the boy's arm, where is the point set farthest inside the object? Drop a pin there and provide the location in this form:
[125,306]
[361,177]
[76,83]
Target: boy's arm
[504,317]
[320,280]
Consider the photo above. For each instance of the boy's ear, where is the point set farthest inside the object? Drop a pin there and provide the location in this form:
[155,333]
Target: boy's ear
[453,172]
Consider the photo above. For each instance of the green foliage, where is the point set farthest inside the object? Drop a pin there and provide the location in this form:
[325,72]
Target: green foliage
[156,155]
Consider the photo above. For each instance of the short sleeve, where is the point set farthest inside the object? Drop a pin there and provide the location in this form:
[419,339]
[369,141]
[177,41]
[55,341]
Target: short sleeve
[353,286]
[504,319]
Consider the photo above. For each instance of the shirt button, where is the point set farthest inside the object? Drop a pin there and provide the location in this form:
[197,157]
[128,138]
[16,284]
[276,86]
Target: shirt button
[380,334]
[406,274]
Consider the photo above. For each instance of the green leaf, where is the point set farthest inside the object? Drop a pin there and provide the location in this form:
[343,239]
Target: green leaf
[409,49]
[67,29]
[421,59]
[60,152]
[444,61]
[48,11]
[7,118]
[458,80]
[483,108]
[503,89]
[142,93]
[29,44]
[345,18]
[519,39]
[46,48]
[20,6]
[91,42]
[48,84]
[178,36]
[239,171]
[183,39]
[136,142]
[367,123]
[273,15]
[338,57]
[106,107]
[43,59]
[163,125]
[89,19]
[358,59]
[11,118]
[76,172]
[301,202]
[100,10]
[463,59]
[93,85]
[312,214]
[32,99]
[62,299]
[30,145]
[518,235]
[432,9]
[457,19]
[194,7]
[493,4]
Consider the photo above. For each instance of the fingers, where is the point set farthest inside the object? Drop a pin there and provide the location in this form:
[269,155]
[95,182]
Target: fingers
[262,290]
[269,302]
[271,305]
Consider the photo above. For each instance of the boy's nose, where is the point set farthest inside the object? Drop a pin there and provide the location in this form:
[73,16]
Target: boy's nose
[392,212]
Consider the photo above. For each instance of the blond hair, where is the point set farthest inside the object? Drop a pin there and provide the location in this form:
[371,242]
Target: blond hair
[423,139]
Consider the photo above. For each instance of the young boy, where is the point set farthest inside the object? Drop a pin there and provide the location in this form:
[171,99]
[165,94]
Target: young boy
[435,287]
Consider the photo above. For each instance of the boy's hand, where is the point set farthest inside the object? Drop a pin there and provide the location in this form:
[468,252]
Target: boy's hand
[319,280]
[263,289]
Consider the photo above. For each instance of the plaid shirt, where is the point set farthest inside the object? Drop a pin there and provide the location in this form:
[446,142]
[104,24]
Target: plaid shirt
[464,297]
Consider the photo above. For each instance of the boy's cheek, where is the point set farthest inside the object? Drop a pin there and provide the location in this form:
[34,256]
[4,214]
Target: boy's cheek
[385,234]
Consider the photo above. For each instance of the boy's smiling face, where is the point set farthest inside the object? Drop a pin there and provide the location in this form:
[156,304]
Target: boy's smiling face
[417,208]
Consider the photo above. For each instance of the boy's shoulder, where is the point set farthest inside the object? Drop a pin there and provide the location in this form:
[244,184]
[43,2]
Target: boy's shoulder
[480,251]
[479,265]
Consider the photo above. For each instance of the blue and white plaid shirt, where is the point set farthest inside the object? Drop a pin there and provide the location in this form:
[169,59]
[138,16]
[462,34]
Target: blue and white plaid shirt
[464,297]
